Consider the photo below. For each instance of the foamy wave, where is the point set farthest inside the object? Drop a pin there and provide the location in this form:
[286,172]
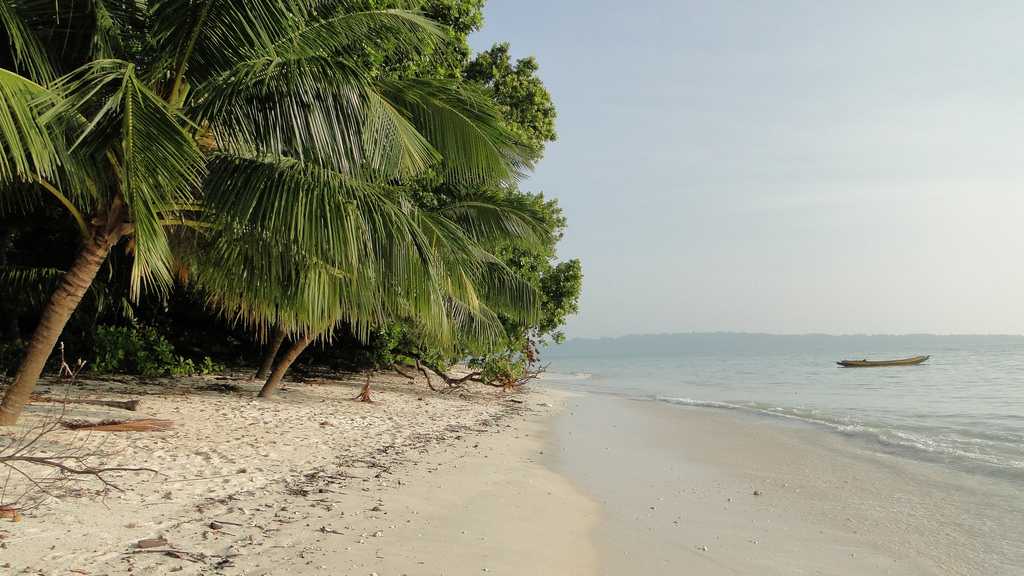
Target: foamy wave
[699,403]
[566,377]
[936,445]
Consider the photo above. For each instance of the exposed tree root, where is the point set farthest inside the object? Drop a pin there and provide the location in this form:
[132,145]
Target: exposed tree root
[364,394]
[403,373]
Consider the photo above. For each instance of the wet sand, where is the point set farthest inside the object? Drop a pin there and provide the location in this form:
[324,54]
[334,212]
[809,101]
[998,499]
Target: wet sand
[708,491]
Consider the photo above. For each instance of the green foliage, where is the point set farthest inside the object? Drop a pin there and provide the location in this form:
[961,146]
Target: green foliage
[519,93]
[300,163]
[504,367]
[144,351]
[560,287]
[528,112]
[11,352]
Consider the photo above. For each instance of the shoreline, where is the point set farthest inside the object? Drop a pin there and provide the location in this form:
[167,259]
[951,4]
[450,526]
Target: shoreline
[725,492]
[546,482]
[314,483]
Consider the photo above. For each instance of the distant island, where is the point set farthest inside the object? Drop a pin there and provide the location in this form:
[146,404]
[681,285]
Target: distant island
[739,342]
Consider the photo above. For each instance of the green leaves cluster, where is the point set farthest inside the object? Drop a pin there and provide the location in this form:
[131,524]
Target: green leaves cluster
[144,351]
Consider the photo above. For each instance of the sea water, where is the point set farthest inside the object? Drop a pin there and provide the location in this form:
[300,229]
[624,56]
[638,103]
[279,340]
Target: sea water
[963,408]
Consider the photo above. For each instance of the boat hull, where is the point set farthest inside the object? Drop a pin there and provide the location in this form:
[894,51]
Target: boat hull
[881,363]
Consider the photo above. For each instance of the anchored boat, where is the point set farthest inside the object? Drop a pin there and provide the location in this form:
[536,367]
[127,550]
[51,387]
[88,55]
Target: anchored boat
[877,363]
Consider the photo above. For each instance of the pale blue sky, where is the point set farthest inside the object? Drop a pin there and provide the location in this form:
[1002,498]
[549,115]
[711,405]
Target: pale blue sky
[784,166]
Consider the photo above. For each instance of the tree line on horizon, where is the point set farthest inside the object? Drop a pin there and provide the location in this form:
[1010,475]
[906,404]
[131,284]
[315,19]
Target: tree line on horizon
[275,174]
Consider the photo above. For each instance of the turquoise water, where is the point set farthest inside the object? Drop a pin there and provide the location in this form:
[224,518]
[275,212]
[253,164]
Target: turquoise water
[964,408]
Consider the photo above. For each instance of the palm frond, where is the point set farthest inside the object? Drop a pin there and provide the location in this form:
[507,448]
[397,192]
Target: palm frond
[333,30]
[202,38]
[311,108]
[497,219]
[463,125]
[28,145]
[27,51]
[159,164]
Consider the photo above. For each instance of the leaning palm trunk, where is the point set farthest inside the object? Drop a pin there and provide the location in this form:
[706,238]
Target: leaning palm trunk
[277,376]
[273,347]
[59,309]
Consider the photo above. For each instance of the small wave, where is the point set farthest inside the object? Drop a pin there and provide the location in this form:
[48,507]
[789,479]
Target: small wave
[699,403]
[938,445]
[566,377]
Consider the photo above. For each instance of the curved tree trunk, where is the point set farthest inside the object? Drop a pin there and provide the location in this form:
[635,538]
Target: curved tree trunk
[286,361]
[59,309]
[271,352]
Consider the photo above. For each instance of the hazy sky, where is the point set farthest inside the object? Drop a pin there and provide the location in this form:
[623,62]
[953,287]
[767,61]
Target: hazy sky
[784,166]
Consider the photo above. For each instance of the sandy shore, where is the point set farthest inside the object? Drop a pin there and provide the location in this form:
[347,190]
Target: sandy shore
[482,482]
[718,492]
[311,483]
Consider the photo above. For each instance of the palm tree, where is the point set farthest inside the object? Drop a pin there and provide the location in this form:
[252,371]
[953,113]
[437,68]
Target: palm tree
[436,274]
[150,118]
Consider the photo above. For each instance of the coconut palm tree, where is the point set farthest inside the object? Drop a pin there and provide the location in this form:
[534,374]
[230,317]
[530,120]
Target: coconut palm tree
[146,119]
[438,275]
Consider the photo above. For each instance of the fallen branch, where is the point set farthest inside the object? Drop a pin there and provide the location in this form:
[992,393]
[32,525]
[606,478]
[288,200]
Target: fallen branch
[142,425]
[512,384]
[402,373]
[59,463]
[452,382]
[35,467]
[173,553]
[430,383]
[131,405]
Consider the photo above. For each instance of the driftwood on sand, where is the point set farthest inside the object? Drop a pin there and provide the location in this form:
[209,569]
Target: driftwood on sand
[141,425]
[131,405]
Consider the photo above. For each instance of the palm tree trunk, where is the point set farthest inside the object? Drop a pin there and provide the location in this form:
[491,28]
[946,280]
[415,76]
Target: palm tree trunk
[283,365]
[59,309]
[271,352]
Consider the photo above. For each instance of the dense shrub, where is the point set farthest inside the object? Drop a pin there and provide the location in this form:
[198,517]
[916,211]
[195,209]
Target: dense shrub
[144,351]
[11,352]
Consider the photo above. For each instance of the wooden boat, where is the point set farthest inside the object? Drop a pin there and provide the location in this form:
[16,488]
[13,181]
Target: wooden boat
[876,363]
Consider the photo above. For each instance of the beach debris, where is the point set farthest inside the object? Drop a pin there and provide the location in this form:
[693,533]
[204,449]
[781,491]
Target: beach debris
[215,525]
[221,387]
[702,548]
[10,513]
[142,425]
[364,394]
[758,493]
[378,533]
[150,543]
[179,554]
[130,405]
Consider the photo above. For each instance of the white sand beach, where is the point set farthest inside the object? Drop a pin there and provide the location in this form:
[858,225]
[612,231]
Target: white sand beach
[311,483]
